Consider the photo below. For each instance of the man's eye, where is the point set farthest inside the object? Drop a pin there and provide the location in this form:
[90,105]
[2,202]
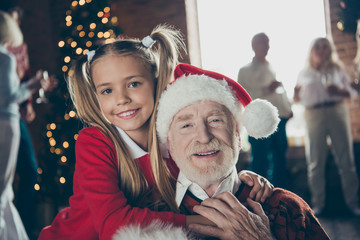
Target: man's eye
[186,126]
[134,84]
[106,91]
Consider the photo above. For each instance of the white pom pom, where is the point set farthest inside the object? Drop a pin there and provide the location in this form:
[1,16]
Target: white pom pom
[260,118]
[156,230]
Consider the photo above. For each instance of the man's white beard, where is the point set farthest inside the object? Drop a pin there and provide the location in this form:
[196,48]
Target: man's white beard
[214,171]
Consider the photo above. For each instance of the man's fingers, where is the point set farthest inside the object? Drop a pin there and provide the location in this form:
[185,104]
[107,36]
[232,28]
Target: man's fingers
[269,189]
[206,230]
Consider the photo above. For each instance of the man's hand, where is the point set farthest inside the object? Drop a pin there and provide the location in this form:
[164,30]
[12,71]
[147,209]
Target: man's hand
[234,221]
[262,188]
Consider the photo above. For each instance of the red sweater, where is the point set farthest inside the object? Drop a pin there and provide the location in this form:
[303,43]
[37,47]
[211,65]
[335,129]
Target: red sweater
[98,207]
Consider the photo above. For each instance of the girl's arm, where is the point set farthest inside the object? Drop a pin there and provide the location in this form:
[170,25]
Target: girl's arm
[97,176]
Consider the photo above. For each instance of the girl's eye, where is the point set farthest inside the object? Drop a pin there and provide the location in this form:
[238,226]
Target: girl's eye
[106,91]
[134,84]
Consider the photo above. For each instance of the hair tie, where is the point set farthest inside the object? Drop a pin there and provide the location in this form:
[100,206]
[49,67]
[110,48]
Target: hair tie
[147,41]
[90,55]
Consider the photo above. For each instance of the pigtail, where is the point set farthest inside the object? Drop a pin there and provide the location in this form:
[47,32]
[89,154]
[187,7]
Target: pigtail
[169,43]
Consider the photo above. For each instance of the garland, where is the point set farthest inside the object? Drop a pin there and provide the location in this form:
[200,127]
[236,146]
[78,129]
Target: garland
[348,15]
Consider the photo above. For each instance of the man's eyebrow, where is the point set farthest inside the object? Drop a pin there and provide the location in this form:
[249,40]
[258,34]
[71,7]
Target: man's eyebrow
[217,112]
[182,118]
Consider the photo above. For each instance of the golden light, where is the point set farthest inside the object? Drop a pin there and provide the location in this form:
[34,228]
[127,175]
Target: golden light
[58,151]
[37,187]
[67,59]
[64,68]
[91,34]
[100,34]
[76,136]
[48,126]
[52,126]
[88,1]
[73,44]
[82,33]
[92,25]
[78,51]
[104,20]
[72,113]
[68,23]
[100,14]
[106,35]
[62,180]
[52,149]
[61,43]
[85,51]
[110,40]
[65,144]
[114,19]
[340,26]
[74,3]
[66,117]
[79,27]
[39,171]
[81,2]
[69,40]
[68,18]
[88,43]
[49,134]
[63,159]
[52,142]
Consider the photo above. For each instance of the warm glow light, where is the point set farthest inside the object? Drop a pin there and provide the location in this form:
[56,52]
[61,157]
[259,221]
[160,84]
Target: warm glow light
[68,23]
[64,68]
[106,35]
[78,51]
[37,187]
[73,44]
[49,134]
[62,180]
[52,149]
[88,43]
[100,14]
[85,51]
[92,25]
[82,33]
[66,117]
[340,26]
[110,40]
[58,151]
[61,43]
[79,27]
[81,2]
[72,113]
[52,126]
[65,144]
[76,136]
[114,20]
[100,34]
[88,1]
[104,20]
[69,40]
[39,170]
[48,126]
[74,3]
[68,18]
[91,34]
[52,142]
[67,59]
[63,159]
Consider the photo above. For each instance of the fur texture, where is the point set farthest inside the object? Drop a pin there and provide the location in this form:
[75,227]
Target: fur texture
[156,230]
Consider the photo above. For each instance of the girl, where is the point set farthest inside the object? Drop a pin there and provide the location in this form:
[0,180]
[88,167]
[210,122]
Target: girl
[11,94]
[115,91]
[322,87]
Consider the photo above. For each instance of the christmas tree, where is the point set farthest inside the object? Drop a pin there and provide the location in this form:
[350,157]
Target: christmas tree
[88,23]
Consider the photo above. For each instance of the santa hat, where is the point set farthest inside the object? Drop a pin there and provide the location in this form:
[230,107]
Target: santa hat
[191,84]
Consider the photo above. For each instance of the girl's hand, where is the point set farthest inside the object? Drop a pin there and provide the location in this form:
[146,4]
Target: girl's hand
[261,187]
[234,221]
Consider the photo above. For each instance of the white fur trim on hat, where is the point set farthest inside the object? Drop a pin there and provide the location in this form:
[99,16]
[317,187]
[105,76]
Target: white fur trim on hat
[154,231]
[187,90]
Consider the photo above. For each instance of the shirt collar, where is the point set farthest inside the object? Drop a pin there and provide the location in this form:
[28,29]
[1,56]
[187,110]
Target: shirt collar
[230,184]
[135,150]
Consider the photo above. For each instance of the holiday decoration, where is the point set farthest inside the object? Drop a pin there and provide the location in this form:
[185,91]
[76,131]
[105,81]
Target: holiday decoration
[348,15]
[87,24]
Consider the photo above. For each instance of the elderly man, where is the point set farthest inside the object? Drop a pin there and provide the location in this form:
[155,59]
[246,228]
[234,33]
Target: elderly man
[199,120]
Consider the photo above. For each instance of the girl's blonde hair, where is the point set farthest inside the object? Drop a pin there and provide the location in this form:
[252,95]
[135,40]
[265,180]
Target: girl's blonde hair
[9,30]
[160,59]
[332,61]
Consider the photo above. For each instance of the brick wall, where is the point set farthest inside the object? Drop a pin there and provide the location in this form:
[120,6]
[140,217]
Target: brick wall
[346,47]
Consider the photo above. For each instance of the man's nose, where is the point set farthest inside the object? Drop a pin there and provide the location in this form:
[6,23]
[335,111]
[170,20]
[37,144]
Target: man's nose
[204,134]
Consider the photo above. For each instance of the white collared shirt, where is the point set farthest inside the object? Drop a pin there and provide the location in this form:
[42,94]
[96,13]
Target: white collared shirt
[230,184]
[135,150]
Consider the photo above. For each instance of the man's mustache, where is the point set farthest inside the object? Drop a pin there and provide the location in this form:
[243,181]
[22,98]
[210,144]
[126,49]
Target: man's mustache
[214,145]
